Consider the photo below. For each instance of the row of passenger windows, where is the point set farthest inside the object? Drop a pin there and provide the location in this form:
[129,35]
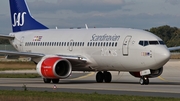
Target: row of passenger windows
[54,44]
[145,43]
[110,44]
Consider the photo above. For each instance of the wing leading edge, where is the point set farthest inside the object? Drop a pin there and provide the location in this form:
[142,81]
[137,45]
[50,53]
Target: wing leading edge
[174,48]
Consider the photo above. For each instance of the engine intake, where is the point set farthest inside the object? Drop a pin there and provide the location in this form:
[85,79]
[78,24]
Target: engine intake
[54,67]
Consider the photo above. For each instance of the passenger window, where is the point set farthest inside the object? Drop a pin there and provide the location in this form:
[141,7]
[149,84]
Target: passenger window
[113,44]
[87,44]
[104,44]
[90,44]
[96,44]
[101,43]
[110,44]
[116,44]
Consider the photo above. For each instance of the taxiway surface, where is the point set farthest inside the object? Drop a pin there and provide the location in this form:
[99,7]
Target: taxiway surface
[167,85]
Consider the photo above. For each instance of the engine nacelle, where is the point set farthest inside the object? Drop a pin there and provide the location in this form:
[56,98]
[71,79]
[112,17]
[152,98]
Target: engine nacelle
[154,73]
[54,67]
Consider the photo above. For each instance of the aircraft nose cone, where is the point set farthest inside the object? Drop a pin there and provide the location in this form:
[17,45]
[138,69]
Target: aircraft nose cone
[162,55]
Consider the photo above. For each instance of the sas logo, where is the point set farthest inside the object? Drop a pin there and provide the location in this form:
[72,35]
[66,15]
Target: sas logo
[37,38]
[18,19]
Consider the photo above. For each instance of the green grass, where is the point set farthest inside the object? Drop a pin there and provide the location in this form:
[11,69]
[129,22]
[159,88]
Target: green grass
[59,96]
[19,75]
[16,65]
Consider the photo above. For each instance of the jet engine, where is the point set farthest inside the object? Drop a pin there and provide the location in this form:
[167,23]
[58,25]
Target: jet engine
[154,73]
[54,67]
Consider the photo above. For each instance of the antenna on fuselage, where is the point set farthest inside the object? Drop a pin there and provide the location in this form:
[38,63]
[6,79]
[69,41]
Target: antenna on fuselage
[86,26]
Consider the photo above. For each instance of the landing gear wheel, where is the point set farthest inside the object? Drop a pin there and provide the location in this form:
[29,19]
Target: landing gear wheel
[141,81]
[144,81]
[107,77]
[46,80]
[55,80]
[99,77]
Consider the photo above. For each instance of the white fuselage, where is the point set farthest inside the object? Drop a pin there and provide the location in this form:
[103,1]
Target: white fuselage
[107,49]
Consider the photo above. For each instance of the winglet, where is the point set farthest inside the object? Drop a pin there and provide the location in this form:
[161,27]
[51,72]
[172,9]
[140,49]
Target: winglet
[21,17]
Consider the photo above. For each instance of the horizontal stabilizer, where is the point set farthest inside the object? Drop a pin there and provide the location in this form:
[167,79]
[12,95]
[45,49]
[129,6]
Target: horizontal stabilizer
[6,37]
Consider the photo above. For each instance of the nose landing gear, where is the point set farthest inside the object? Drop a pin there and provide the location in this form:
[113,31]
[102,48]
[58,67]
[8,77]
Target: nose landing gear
[144,80]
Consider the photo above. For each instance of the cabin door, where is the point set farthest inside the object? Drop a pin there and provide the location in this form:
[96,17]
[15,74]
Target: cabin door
[125,47]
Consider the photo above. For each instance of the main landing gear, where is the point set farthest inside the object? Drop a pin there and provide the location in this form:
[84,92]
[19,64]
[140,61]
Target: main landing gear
[144,80]
[103,76]
[46,80]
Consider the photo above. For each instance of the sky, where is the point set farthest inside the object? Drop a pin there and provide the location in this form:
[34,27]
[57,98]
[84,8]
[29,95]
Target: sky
[140,14]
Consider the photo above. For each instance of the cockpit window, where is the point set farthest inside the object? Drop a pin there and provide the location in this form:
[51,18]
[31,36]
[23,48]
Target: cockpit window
[161,43]
[153,42]
[141,43]
[146,43]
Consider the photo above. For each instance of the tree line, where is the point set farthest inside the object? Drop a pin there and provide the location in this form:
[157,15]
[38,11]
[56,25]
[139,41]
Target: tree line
[170,35]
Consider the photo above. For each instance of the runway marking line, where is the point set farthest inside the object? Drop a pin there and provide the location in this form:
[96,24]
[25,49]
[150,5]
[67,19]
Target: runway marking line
[81,77]
[161,78]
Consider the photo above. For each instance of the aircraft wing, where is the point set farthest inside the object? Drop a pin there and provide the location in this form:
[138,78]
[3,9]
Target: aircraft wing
[75,59]
[6,37]
[174,48]
[27,54]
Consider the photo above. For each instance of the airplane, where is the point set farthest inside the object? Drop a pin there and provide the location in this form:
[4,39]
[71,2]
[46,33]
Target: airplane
[58,52]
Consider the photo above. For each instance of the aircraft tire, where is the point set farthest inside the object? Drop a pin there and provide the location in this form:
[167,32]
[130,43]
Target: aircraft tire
[99,77]
[144,81]
[55,80]
[46,80]
[107,77]
[141,81]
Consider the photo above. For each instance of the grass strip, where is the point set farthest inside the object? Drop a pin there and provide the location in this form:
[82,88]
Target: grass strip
[16,65]
[24,75]
[59,96]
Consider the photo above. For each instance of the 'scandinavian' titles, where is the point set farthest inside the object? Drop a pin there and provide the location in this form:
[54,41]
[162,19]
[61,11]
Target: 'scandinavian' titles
[105,37]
